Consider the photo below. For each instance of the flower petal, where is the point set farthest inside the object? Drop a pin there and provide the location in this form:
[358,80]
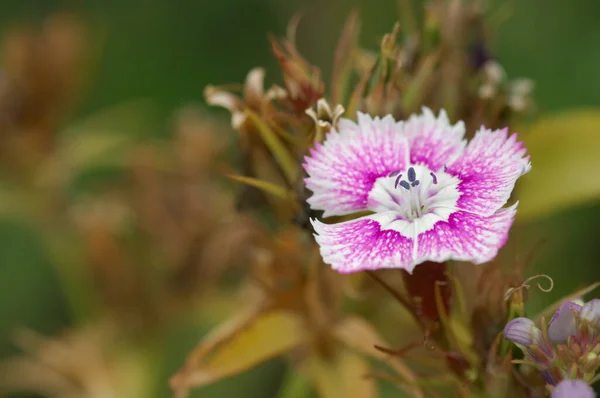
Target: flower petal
[466,237]
[376,241]
[522,331]
[254,87]
[488,169]
[342,171]
[433,140]
[563,323]
[573,389]
[590,312]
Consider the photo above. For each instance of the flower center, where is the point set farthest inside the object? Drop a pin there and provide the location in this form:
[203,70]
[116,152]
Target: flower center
[415,193]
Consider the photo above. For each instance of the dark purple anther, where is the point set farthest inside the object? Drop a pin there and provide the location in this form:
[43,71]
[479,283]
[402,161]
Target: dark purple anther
[445,168]
[397,181]
[414,184]
[405,185]
[412,176]
[394,173]
[434,178]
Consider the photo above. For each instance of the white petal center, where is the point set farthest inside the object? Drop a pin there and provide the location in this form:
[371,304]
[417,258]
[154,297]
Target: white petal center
[416,197]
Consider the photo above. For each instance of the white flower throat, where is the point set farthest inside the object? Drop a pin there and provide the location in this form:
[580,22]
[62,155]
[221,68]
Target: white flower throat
[415,193]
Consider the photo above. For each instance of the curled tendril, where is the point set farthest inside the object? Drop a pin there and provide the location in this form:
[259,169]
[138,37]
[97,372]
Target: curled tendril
[525,285]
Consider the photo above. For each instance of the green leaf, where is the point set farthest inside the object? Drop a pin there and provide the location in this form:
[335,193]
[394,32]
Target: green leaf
[237,345]
[266,186]
[565,160]
[361,336]
[343,375]
[101,139]
[16,203]
[282,155]
[342,65]
[295,385]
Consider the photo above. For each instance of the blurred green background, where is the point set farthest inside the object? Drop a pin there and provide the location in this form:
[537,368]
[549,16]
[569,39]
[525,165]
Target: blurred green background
[167,51]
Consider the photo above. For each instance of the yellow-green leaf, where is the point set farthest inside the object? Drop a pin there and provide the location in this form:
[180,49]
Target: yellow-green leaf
[16,203]
[345,374]
[564,156]
[362,337]
[238,345]
[266,186]
[282,155]
[104,137]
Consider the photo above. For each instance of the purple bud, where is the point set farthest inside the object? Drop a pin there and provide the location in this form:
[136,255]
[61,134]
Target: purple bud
[573,389]
[564,323]
[548,377]
[522,331]
[590,312]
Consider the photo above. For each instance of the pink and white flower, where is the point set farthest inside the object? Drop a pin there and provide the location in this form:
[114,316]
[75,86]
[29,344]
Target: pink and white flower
[432,196]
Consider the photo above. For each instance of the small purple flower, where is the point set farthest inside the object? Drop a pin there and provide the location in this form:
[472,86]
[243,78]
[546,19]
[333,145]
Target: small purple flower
[573,389]
[448,204]
[564,323]
[522,331]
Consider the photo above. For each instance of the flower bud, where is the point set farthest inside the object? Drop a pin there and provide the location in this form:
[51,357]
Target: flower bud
[522,331]
[573,389]
[564,323]
[325,117]
[590,312]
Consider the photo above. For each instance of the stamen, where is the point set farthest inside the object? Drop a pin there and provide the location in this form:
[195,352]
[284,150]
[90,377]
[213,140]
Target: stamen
[414,184]
[405,185]
[434,177]
[397,181]
[412,175]
[445,168]
[394,173]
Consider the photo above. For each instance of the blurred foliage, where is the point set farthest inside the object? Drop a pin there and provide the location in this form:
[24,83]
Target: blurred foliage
[151,57]
[563,180]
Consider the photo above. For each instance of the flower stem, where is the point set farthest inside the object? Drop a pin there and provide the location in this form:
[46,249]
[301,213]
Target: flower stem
[401,299]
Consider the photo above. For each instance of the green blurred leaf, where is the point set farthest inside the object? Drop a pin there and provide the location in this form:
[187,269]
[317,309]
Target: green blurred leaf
[344,375]
[361,336]
[295,385]
[342,66]
[238,345]
[15,203]
[281,154]
[102,138]
[565,160]
[266,186]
